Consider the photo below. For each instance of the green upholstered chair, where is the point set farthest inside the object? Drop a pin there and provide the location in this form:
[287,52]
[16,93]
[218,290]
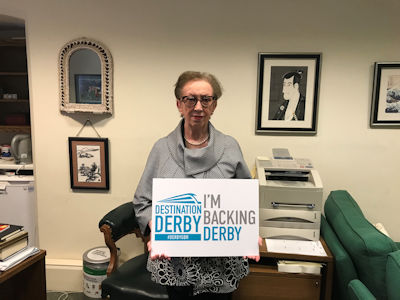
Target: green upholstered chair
[131,280]
[393,275]
[366,260]
[357,290]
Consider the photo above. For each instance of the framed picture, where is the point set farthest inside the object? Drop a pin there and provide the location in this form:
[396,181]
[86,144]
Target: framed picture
[287,93]
[88,88]
[88,161]
[385,109]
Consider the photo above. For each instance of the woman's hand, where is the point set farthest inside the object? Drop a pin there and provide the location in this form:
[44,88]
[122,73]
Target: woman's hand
[156,256]
[256,258]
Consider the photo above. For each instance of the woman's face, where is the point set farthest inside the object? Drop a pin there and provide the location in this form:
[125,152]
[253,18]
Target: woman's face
[197,116]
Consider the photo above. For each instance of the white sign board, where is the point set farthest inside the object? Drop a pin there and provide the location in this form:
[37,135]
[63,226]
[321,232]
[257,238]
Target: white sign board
[205,217]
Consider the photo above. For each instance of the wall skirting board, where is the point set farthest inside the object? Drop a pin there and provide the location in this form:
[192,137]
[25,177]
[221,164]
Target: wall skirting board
[64,275]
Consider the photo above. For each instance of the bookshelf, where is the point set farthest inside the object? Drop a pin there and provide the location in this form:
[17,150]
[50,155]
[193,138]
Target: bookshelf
[14,91]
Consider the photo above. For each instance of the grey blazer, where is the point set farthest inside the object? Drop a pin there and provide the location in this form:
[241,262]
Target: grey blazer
[169,158]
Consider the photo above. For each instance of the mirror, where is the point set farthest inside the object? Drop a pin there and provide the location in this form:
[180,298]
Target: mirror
[85,69]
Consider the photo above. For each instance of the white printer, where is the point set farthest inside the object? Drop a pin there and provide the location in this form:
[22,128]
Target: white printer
[290,197]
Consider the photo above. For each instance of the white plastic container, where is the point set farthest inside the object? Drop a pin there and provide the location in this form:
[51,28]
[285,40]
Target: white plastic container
[95,263]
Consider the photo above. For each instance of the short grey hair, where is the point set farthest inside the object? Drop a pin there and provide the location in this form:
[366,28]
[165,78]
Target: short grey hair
[187,76]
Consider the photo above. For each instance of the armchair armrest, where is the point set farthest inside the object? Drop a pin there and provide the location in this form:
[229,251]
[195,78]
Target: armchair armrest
[116,224]
[393,275]
[358,291]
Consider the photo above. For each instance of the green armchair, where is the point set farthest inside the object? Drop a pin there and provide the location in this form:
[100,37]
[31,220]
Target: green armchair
[367,262]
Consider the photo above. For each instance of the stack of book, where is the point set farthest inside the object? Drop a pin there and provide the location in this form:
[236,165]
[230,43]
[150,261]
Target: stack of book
[13,239]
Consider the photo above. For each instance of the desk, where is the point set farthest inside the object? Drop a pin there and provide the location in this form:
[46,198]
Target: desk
[27,280]
[265,282]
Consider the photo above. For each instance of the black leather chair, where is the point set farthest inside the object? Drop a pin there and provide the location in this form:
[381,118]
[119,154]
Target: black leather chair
[131,280]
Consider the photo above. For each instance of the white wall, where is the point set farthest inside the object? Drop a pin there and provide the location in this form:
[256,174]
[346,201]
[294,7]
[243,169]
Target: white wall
[152,42]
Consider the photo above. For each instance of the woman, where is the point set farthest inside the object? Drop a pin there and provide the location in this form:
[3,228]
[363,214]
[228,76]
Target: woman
[195,149]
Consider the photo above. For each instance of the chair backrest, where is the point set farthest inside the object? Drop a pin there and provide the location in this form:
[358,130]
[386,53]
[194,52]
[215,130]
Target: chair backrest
[344,268]
[367,246]
[122,221]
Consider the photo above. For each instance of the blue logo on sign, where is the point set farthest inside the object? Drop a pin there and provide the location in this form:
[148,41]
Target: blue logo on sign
[177,218]
[188,198]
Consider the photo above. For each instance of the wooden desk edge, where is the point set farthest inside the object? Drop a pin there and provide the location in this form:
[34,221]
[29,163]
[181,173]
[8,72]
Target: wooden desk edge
[22,265]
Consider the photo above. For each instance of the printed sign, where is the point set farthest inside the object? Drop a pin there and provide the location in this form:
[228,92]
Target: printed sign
[205,217]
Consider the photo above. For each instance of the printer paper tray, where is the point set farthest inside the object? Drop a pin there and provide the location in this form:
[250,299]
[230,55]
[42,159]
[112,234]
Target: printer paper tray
[289,233]
[298,225]
[274,214]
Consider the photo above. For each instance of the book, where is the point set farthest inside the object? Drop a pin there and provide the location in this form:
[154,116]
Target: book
[14,236]
[13,244]
[4,227]
[11,230]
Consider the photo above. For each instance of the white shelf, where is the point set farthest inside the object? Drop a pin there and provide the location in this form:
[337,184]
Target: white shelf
[11,165]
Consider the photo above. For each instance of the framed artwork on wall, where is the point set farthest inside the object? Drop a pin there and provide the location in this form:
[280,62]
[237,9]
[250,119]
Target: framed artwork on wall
[385,109]
[288,87]
[88,159]
[88,88]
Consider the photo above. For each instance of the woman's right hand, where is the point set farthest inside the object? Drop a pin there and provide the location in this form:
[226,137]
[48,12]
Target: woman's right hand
[155,256]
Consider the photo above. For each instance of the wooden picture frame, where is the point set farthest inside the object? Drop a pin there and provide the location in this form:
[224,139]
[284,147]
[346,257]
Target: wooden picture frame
[385,105]
[288,87]
[88,158]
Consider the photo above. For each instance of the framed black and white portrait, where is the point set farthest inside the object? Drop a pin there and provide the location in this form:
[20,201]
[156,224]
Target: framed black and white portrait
[88,158]
[288,93]
[385,109]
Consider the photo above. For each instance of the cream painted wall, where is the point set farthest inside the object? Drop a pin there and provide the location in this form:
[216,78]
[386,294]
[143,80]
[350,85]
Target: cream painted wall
[152,42]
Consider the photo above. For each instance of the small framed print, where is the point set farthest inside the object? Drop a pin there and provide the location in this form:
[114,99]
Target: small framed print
[287,93]
[88,88]
[88,158]
[385,109]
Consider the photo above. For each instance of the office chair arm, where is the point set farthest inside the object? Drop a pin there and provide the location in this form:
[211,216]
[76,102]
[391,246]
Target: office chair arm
[112,266]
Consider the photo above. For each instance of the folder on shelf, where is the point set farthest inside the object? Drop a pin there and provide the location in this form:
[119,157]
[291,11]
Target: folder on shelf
[18,258]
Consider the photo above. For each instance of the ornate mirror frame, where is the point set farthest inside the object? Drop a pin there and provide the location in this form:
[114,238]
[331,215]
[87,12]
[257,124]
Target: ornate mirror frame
[106,77]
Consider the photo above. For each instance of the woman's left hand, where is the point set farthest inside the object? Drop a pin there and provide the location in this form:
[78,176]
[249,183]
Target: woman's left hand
[256,258]
[155,256]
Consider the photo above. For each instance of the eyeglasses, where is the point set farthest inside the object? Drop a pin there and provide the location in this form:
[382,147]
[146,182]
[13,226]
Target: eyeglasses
[191,101]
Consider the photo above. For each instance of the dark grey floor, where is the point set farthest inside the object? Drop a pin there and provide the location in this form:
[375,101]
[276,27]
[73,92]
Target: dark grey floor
[66,296]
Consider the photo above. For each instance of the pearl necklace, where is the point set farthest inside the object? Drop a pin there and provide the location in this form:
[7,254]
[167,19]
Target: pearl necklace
[199,143]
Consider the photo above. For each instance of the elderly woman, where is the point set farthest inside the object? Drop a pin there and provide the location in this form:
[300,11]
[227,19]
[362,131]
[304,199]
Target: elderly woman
[195,149]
